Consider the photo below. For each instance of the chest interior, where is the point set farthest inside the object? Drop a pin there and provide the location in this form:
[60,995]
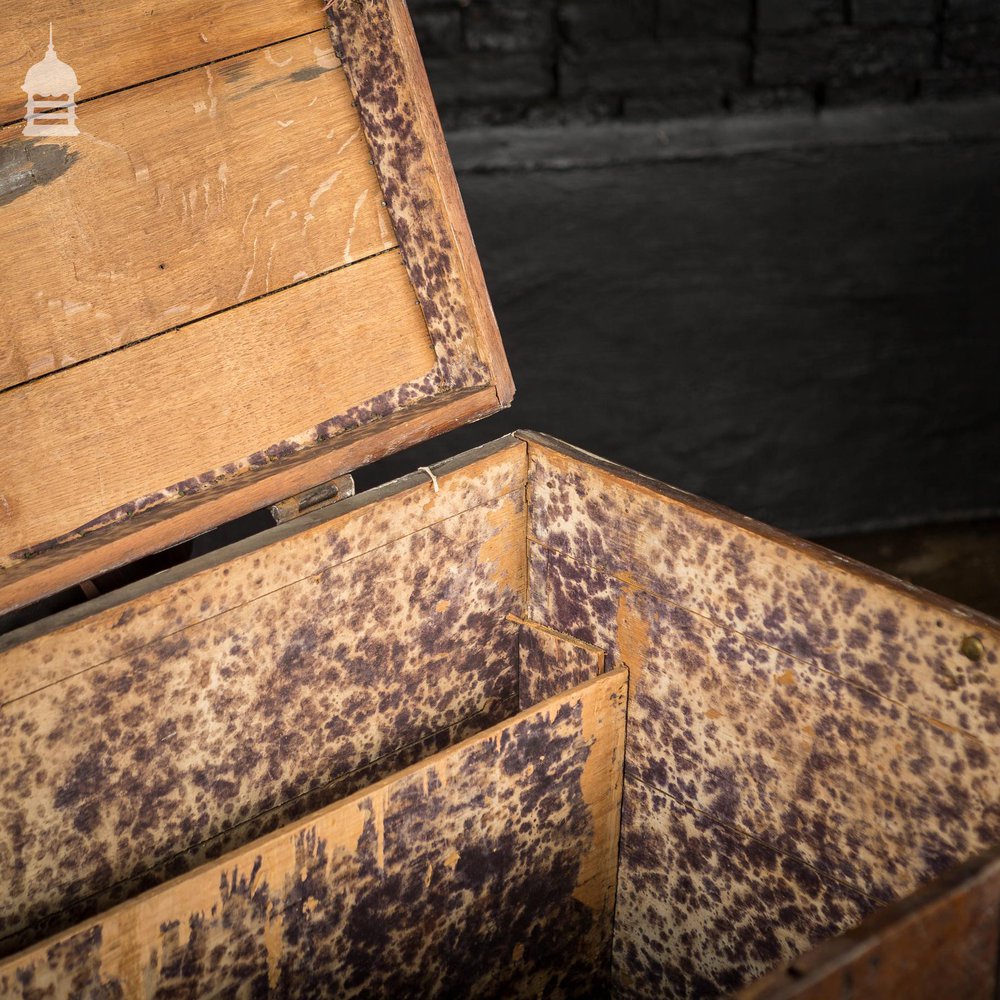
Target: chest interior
[525,723]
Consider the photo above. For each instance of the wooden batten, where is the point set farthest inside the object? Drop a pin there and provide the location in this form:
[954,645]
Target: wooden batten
[258,276]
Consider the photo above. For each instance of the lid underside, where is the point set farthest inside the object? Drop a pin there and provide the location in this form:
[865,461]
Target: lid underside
[248,272]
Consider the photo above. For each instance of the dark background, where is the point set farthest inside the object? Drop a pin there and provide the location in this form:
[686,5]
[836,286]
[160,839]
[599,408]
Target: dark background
[750,247]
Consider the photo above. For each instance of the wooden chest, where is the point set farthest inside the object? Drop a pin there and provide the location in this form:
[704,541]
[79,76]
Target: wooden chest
[521,724]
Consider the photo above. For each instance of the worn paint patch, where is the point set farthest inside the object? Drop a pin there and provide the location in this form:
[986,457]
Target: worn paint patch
[28,163]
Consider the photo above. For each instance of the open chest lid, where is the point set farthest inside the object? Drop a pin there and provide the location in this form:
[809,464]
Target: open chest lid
[234,263]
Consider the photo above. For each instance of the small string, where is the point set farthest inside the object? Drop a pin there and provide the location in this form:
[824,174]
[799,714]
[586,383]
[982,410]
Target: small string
[434,479]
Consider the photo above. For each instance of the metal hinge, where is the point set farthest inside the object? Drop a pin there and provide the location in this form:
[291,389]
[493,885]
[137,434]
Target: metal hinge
[314,498]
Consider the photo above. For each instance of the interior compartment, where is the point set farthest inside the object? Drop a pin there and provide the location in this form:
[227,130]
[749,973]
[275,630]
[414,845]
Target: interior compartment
[806,741]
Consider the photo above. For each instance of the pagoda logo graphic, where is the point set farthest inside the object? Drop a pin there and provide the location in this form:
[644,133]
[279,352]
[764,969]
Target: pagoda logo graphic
[48,79]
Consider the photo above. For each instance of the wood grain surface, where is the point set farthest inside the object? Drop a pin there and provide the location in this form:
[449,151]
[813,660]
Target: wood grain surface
[787,698]
[180,199]
[550,662]
[691,899]
[939,944]
[182,716]
[124,621]
[123,43]
[123,422]
[471,874]
[225,495]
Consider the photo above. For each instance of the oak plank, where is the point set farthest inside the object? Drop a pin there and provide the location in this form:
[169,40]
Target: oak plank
[123,766]
[180,199]
[434,881]
[183,515]
[123,43]
[222,370]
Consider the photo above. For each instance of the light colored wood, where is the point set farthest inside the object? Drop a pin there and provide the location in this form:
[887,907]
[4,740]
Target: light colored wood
[91,438]
[409,856]
[550,661]
[219,721]
[389,82]
[180,199]
[185,515]
[939,944]
[122,43]
[126,621]
[468,380]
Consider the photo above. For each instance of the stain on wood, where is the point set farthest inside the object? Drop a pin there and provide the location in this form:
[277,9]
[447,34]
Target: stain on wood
[28,163]
[703,910]
[375,40]
[938,943]
[126,620]
[782,697]
[132,43]
[457,877]
[874,632]
[550,662]
[850,782]
[121,767]
[231,838]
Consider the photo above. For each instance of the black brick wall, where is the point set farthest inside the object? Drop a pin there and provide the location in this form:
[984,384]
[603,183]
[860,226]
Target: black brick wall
[524,60]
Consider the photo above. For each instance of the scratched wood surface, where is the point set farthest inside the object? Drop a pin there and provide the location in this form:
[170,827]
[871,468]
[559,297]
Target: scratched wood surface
[122,439]
[939,944]
[180,199]
[376,115]
[488,870]
[176,718]
[791,699]
[550,662]
[120,44]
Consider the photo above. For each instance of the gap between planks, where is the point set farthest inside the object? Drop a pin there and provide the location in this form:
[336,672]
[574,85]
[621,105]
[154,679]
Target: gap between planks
[193,322]
[16,122]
